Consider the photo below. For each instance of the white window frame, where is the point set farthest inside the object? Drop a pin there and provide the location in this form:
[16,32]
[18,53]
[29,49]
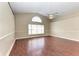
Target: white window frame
[38,29]
[36,19]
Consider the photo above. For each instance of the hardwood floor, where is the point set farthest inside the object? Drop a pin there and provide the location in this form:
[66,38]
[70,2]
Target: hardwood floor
[45,46]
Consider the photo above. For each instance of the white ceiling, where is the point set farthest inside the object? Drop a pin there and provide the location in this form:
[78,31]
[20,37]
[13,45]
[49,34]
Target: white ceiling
[45,8]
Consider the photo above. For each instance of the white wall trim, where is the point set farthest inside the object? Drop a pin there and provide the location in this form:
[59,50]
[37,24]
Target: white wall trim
[10,48]
[6,35]
[31,36]
[7,54]
[66,38]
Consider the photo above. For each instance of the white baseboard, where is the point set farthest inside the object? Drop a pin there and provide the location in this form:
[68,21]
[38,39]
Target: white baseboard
[10,48]
[31,37]
[66,38]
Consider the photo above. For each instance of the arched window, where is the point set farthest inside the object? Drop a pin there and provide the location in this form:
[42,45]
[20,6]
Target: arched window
[36,19]
[36,28]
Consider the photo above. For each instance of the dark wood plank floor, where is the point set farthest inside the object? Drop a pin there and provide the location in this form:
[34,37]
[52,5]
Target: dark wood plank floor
[45,46]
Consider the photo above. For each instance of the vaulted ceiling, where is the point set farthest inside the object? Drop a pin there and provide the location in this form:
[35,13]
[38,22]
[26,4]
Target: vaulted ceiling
[45,8]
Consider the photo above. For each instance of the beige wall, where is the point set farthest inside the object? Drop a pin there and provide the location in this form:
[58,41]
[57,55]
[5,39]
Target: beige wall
[22,21]
[6,28]
[66,27]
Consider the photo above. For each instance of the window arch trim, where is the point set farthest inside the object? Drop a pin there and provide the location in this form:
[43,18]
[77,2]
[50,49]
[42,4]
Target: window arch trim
[36,19]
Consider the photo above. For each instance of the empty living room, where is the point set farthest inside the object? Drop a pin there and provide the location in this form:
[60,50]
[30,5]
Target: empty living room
[39,28]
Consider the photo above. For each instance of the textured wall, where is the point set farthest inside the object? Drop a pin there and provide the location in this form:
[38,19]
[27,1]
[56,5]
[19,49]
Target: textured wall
[22,21]
[6,28]
[66,27]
